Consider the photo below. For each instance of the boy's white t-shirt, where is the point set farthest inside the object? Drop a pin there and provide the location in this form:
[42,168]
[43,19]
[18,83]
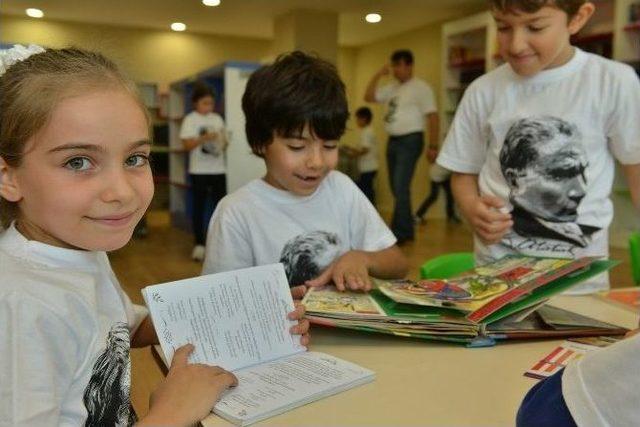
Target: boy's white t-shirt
[601,388]
[565,127]
[260,224]
[368,162]
[407,105]
[207,158]
[64,338]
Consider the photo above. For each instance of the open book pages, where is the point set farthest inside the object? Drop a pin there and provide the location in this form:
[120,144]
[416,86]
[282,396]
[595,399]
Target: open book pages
[472,290]
[238,320]
[566,353]
[278,386]
[234,319]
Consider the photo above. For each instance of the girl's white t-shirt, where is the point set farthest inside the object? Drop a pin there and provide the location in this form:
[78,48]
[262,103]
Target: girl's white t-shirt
[64,338]
[547,146]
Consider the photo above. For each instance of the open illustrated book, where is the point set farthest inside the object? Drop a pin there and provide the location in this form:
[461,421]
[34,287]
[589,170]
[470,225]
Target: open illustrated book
[501,300]
[238,320]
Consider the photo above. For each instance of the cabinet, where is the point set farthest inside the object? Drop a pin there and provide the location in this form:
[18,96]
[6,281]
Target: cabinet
[228,80]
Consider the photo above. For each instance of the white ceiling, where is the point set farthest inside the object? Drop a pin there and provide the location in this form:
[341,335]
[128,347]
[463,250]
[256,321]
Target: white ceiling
[248,18]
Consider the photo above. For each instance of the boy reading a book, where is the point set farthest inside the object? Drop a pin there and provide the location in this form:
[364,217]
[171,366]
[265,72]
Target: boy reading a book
[534,142]
[302,213]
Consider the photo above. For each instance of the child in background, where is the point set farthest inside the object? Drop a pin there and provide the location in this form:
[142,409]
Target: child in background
[440,177]
[599,389]
[367,154]
[534,142]
[74,181]
[203,135]
[301,213]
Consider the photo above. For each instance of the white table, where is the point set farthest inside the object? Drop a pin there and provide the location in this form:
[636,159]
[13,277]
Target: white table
[421,383]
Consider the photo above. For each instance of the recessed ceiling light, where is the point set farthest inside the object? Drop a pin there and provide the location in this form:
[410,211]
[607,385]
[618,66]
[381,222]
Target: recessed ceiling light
[211,2]
[34,13]
[373,18]
[178,26]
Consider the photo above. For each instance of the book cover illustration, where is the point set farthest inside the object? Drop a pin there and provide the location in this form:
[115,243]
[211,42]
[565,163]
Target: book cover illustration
[474,289]
[327,300]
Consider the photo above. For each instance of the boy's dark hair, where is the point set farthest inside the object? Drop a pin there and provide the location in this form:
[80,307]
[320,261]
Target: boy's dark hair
[404,55]
[364,113]
[571,7]
[296,90]
[200,90]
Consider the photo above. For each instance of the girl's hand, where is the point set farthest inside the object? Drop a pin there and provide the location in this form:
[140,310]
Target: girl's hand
[188,393]
[350,271]
[488,221]
[302,328]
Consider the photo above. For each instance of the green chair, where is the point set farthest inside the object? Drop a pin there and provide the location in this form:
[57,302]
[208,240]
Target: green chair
[447,265]
[634,253]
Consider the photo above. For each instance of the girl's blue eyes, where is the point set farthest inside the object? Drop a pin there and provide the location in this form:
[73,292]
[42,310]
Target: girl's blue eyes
[81,164]
[138,160]
[78,164]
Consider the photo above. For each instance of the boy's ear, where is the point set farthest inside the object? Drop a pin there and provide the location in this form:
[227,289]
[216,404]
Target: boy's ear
[9,188]
[582,16]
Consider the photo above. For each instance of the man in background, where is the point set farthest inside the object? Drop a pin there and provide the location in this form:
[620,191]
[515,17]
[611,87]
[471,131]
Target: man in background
[411,108]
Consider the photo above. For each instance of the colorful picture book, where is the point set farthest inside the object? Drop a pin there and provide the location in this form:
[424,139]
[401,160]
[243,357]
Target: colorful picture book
[566,353]
[628,298]
[502,300]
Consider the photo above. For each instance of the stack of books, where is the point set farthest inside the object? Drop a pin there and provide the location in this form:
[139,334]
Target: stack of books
[501,300]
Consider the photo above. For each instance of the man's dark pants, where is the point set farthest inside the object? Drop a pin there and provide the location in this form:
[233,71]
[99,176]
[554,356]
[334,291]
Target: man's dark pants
[402,154]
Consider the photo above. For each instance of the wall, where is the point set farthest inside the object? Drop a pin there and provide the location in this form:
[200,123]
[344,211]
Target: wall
[147,55]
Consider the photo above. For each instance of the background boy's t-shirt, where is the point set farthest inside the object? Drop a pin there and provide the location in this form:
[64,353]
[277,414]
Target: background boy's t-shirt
[558,191]
[207,158]
[260,224]
[407,105]
[65,336]
[368,162]
[601,388]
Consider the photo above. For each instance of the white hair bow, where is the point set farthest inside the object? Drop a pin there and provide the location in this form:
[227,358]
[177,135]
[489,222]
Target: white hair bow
[16,54]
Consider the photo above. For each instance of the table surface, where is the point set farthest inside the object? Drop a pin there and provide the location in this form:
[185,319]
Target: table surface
[421,383]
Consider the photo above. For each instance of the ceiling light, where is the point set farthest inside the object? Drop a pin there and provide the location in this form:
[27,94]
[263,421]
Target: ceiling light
[373,18]
[211,2]
[178,26]
[34,13]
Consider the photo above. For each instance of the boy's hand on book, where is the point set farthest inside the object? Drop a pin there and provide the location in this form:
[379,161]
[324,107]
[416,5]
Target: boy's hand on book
[489,218]
[189,391]
[302,328]
[349,272]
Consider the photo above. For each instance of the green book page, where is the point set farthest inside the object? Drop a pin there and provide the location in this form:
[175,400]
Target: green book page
[409,311]
[551,289]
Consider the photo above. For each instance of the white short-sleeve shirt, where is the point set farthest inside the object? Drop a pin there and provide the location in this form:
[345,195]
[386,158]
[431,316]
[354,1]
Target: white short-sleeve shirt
[207,158]
[64,337]
[546,145]
[259,224]
[407,105]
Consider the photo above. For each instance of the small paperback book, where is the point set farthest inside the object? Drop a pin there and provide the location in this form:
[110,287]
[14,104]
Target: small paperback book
[238,320]
[565,353]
